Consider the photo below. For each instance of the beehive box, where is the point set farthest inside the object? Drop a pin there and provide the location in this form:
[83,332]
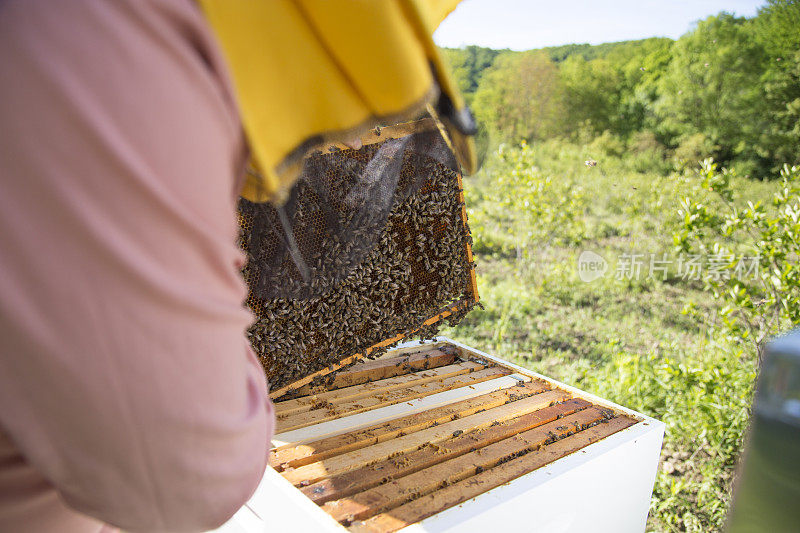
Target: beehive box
[439,436]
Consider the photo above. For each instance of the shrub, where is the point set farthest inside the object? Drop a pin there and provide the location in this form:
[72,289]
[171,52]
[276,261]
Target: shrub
[761,298]
[608,144]
[647,154]
[692,148]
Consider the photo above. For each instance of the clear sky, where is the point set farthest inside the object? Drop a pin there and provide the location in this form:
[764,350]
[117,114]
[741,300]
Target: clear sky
[525,24]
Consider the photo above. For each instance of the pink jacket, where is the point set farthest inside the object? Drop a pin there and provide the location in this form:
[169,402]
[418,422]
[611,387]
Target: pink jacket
[128,394]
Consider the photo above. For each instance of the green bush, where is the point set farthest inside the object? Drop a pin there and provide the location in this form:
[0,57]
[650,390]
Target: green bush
[526,206]
[693,148]
[608,144]
[755,248]
[647,154]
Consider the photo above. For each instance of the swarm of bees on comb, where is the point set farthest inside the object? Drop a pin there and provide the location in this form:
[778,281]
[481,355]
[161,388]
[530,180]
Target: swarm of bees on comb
[418,268]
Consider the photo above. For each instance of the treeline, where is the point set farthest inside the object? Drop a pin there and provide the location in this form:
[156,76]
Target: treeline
[728,89]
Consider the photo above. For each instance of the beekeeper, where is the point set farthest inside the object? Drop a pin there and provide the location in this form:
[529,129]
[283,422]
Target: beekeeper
[129,397]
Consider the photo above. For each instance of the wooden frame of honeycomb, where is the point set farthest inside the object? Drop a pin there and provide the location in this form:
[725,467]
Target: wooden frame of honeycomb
[300,342]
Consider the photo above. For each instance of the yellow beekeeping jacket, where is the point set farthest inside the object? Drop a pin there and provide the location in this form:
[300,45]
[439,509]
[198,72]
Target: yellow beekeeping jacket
[308,72]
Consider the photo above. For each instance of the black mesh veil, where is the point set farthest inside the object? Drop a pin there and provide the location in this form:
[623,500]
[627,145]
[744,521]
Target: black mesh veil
[370,245]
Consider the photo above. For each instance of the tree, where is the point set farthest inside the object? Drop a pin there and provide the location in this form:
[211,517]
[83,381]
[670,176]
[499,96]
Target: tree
[712,88]
[591,95]
[776,28]
[468,65]
[517,98]
[642,64]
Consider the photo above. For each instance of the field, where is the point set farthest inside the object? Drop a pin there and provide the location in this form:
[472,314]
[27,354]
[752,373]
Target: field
[647,338]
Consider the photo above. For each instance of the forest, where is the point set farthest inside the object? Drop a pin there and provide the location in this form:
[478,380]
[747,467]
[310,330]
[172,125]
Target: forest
[727,89]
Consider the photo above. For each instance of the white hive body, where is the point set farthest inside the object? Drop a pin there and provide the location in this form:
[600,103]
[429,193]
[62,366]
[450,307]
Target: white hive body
[438,436]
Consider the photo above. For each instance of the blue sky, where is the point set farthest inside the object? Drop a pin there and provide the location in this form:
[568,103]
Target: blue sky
[525,24]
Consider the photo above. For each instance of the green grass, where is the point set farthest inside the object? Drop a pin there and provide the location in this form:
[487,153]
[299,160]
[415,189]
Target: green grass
[532,211]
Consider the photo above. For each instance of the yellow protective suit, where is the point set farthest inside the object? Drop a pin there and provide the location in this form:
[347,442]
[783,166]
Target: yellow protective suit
[308,72]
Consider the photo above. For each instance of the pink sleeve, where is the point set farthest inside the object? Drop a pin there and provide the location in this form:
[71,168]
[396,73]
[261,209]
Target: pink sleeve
[125,375]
